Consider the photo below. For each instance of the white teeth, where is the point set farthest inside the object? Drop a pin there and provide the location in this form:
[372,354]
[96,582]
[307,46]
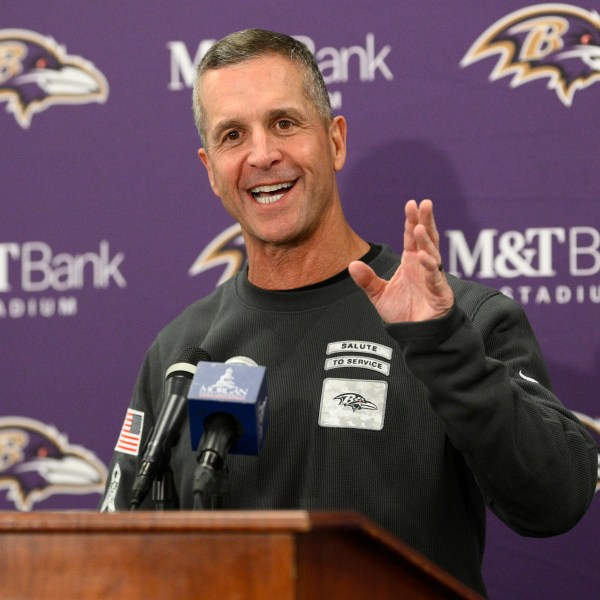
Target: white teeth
[271,188]
[268,199]
[263,194]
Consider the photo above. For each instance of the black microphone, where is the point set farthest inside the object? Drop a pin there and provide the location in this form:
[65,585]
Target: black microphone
[168,424]
[228,413]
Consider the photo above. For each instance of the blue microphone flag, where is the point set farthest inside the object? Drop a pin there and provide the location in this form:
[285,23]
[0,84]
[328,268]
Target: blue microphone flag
[238,390]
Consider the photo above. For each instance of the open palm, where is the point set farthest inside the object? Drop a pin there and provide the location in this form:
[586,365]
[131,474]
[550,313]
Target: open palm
[418,290]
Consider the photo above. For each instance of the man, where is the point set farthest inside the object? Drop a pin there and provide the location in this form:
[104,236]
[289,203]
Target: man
[395,390]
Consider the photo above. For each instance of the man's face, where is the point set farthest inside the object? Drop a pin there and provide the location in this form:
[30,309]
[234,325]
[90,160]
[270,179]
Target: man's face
[270,157]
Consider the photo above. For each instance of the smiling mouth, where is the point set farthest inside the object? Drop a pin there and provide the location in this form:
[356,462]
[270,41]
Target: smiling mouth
[269,194]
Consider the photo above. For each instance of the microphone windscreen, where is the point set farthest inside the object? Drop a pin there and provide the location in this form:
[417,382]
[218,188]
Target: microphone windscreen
[187,361]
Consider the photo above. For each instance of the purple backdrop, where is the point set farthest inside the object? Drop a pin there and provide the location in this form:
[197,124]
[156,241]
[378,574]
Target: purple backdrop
[105,206]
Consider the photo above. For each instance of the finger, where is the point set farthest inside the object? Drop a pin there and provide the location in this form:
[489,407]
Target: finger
[365,278]
[427,219]
[430,261]
[433,267]
[427,246]
[411,212]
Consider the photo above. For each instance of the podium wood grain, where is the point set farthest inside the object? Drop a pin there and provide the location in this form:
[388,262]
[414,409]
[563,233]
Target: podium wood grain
[256,555]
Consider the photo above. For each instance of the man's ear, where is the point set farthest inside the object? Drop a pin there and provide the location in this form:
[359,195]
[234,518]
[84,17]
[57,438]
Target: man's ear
[202,154]
[338,140]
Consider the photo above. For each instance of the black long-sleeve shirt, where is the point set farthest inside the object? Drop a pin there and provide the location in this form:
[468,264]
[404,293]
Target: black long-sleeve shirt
[416,425]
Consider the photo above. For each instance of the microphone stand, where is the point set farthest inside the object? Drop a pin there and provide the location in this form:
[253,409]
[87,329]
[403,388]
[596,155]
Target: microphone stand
[164,495]
[211,488]
[211,478]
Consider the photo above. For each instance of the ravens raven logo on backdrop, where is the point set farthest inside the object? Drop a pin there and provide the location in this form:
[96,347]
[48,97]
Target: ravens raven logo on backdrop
[227,249]
[36,461]
[557,42]
[36,72]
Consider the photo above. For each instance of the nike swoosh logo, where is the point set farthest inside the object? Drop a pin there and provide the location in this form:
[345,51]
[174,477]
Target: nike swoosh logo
[527,378]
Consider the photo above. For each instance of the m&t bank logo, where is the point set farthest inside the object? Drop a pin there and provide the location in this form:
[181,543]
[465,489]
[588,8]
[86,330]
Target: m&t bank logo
[35,279]
[531,254]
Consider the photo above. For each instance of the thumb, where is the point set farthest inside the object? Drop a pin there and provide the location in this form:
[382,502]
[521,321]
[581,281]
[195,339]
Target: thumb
[365,278]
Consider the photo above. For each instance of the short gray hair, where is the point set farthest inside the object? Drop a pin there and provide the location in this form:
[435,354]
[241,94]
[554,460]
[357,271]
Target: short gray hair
[241,46]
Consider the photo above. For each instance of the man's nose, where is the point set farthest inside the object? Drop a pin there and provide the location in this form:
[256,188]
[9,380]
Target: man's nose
[264,151]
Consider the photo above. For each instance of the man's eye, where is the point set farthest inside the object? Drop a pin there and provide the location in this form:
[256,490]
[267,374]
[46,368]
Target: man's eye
[232,136]
[284,124]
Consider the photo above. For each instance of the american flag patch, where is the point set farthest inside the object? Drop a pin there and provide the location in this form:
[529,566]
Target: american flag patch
[131,432]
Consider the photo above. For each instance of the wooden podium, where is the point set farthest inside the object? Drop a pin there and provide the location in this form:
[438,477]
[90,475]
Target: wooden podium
[279,555]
